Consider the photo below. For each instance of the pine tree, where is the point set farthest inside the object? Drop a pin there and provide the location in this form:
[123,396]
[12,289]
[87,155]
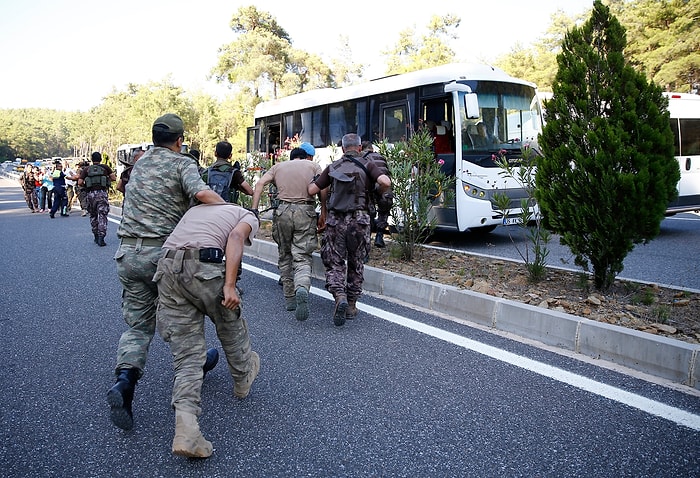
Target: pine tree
[607,173]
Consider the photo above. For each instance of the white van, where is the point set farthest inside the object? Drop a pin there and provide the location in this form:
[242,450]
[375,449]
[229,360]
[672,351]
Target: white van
[684,109]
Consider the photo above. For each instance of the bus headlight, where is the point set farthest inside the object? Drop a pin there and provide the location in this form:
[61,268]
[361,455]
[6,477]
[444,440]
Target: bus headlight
[473,191]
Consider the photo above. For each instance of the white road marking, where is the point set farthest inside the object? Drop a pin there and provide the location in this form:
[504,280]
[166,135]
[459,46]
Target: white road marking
[644,404]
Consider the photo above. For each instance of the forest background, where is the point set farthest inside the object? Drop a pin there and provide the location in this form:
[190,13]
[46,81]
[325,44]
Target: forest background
[260,63]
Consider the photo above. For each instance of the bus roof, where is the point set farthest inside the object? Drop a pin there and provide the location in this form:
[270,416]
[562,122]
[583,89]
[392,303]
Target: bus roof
[683,105]
[438,74]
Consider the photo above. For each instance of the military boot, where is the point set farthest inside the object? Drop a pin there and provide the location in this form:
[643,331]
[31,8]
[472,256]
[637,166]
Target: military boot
[212,360]
[302,303]
[101,240]
[188,440]
[120,397]
[96,236]
[379,240]
[351,311]
[341,306]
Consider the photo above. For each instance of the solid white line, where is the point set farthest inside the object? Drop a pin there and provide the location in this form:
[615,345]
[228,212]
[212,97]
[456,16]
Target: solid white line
[652,407]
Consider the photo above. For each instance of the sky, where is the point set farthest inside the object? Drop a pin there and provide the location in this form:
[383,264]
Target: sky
[70,54]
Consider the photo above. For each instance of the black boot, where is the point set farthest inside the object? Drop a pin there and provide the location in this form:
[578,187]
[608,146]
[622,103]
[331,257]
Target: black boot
[101,240]
[120,396]
[212,360]
[95,234]
[379,240]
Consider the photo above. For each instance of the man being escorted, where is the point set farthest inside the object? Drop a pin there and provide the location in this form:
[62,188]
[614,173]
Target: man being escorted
[193,281]
[161,187]
[294,224]
[347,228]
[96,179]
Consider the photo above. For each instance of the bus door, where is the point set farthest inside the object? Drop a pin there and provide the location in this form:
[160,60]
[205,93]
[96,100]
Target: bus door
[395,121]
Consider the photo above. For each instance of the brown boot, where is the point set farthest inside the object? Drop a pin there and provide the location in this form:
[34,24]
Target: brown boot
[188,439]
[351,311]
[341,305]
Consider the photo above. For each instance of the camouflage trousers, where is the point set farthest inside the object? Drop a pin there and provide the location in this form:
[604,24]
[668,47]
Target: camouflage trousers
[32,200]
[136,266]
[81,192]
[98,207]
[70,192]
[294,231]
[189,290]
[342,251]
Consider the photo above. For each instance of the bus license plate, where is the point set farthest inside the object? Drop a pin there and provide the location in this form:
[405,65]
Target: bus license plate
[510,221]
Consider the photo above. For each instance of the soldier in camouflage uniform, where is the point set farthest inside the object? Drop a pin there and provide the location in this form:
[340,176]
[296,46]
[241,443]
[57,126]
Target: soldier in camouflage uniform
[162,185]
[193,281]
[294,225]
[381,200]
[26,180]
[97,199]
[81,192]
[347,228]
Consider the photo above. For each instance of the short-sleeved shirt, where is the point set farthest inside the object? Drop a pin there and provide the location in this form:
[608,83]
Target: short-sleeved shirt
[292,179]
[209,225]
[162,186]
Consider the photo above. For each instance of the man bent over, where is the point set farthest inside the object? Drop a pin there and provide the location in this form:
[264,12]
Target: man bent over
[194,281]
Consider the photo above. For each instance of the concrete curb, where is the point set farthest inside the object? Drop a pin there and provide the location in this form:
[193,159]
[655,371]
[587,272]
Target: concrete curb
[659,356]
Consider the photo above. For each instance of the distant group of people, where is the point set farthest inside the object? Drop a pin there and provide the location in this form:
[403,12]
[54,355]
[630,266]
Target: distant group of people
[58,186]
[49,189]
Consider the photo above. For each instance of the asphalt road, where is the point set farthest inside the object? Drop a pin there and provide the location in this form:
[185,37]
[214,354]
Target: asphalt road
[397,392]
[672,258]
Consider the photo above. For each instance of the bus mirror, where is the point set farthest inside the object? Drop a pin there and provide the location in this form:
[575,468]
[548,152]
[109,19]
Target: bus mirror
[472,105]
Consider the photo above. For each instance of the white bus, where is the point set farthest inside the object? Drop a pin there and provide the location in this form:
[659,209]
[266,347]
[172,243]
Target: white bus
[125,154]
[684,109]
[454,98]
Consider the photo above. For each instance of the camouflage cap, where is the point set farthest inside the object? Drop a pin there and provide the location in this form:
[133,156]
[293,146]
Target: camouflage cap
[169,123]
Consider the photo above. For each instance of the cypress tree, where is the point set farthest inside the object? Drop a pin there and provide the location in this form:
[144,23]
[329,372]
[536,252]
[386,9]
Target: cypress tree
[607,172]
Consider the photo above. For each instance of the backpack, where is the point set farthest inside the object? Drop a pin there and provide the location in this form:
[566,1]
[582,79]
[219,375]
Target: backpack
[96,177]
[348,191]
[220,182]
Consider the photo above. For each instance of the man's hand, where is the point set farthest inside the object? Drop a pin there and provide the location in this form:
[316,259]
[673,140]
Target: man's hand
[231,299]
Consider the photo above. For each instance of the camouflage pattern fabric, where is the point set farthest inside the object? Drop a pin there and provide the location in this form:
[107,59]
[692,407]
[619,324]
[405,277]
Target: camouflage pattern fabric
[346,238]
[161,188]
[31,199]
[136,266]
[81,192]
[294,231]
[188,290]
[98,207]
[70,193]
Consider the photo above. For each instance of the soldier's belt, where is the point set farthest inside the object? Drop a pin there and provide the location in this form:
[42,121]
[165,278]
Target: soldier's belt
[207,254]
[308,203]
[148,242]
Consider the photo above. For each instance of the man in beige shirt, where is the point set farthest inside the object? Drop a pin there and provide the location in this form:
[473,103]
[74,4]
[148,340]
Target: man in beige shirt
[194,280]
[294,224]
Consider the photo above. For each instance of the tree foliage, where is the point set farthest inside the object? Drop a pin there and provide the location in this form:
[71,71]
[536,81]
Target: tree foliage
[414,52]
[608,171]
[663,41]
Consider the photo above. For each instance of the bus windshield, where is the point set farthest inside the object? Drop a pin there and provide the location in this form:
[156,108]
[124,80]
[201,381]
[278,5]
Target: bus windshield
[509,118]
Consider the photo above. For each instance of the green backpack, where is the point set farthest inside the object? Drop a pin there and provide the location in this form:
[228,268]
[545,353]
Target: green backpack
[96,177]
